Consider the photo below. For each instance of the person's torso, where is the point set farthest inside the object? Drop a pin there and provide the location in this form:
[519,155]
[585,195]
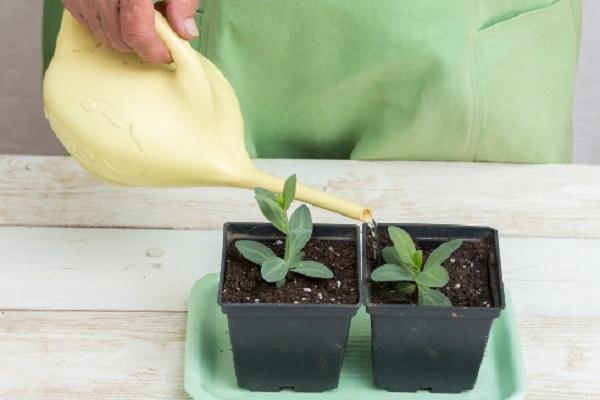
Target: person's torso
[399,79]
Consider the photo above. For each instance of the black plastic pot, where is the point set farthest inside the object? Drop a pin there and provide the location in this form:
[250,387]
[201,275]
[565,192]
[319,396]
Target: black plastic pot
[432,348]
[287,346]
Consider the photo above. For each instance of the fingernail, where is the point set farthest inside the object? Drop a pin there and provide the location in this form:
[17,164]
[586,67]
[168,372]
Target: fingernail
[190,27]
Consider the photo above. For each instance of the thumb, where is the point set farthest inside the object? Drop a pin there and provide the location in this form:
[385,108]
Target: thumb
[181,15]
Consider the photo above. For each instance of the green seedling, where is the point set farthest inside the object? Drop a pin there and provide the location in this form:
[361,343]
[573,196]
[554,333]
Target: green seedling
[297,230]
[404,264]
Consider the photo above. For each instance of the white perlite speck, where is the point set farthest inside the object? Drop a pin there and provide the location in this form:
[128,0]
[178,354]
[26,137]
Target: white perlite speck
[307,289]
[457,286]
[452,260]
[339,284]
[320,296]
[330,249]
[279,242]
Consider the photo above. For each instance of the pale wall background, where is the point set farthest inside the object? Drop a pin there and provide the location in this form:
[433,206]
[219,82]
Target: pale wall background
[24,130]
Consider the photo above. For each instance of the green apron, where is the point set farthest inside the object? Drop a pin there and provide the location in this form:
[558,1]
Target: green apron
[476,80]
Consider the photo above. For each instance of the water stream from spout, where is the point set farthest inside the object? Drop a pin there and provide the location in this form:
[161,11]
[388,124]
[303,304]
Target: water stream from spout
[373,236]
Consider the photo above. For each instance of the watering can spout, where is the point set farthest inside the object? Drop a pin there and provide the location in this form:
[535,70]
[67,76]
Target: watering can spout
[318,198]
[143,124]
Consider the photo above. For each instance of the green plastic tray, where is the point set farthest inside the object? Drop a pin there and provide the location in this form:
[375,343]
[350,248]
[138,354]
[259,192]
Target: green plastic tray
[209,362]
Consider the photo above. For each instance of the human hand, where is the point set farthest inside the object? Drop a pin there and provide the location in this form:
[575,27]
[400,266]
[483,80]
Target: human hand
[128,25]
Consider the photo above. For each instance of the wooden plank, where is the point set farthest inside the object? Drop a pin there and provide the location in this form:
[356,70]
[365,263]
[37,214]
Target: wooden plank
[149,269]
[524,200]
[562,357]
[79,356]
[136,355]
[551,277]
[103,269]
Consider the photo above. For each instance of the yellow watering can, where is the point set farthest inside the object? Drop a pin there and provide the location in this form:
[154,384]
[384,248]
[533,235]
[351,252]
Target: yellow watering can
[144,124]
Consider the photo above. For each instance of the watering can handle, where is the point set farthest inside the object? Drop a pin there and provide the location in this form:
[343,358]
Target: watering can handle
[184,56]
[76,37]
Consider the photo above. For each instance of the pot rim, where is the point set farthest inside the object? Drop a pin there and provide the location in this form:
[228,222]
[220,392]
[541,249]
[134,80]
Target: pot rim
[301,307]
[475,231]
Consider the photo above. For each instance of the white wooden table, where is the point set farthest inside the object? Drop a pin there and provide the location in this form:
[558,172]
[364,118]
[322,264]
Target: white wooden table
[94,278]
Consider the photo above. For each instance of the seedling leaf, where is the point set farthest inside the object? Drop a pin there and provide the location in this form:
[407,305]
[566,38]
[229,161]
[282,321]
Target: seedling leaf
[391,273]
[296,258]
[418,259]
[273,212]
[264,194]
[279,198]
[289,191]
[313,269]
[442,252]
[432,297]
[274,269]
[403,244]
[404,262]
[406,288]
[254,251]
[299,231]
[390,256]
[433,276]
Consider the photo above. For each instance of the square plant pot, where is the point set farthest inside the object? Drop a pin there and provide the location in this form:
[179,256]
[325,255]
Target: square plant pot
[298,344]
[439,349]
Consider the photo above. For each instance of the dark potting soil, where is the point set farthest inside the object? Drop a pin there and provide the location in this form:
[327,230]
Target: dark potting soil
[469,284]
[244,284]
